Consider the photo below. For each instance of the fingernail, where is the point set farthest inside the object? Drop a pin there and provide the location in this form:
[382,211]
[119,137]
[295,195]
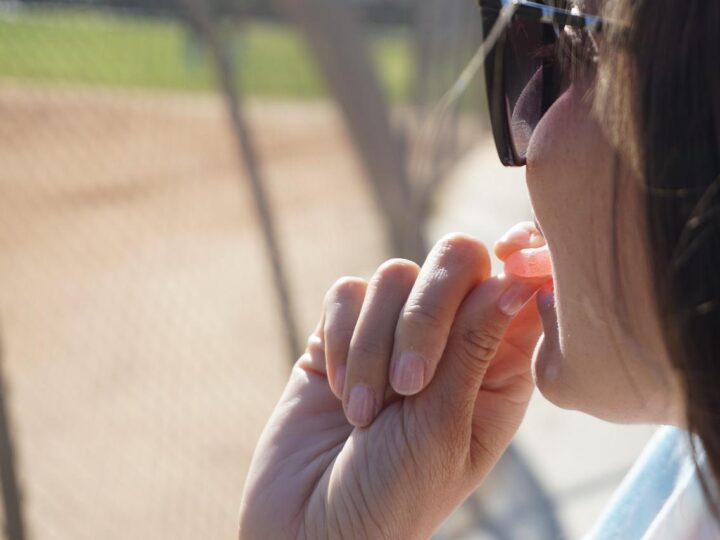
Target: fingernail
[340,379]
[517,295]
[361,404]
[409,373]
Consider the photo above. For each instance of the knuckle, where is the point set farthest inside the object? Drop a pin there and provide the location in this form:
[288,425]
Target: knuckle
[315,345]
[366,348]
[478,345]
[423,316]
[314,356]
[336,332]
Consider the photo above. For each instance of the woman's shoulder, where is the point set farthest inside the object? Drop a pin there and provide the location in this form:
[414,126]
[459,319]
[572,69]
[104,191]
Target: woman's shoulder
[661,497]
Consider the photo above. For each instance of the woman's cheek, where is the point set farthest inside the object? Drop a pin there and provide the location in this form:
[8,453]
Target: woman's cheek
[597,365]
[567,178]
[549,137]
[554,171]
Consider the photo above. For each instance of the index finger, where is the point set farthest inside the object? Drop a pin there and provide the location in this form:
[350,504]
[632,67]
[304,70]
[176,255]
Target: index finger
[455,266]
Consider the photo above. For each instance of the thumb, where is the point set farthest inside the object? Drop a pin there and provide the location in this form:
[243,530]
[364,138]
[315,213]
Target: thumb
[478,329]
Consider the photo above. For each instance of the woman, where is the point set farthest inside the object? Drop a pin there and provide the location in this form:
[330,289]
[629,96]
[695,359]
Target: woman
[414,383]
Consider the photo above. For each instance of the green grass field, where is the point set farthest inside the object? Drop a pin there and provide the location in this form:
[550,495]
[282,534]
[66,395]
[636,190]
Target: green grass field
[102,49]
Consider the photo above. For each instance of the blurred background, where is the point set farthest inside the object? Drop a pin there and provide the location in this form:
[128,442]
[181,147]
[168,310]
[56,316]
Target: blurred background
[180,182]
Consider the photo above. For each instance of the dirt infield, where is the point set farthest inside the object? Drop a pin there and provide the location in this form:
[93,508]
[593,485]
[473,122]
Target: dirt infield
[141,346]
[140,339]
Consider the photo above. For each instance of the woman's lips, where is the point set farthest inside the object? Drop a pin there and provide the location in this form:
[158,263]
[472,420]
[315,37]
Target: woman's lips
[527,258]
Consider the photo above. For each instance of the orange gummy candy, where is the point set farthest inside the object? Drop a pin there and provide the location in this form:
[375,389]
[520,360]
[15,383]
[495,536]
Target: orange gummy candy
[529,264]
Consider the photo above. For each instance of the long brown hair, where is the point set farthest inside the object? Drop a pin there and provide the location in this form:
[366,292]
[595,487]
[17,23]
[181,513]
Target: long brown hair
[659,93]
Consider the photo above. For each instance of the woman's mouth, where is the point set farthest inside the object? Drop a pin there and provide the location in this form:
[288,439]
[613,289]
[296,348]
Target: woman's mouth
[525,253]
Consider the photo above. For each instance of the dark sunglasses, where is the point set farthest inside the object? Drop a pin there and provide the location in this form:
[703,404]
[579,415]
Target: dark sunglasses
[522,75]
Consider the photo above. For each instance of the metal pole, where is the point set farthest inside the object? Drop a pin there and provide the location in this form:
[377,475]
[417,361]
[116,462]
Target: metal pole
[205,24]
[12,497]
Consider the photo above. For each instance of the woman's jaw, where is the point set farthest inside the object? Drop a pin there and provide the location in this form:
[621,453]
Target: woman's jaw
[614,389]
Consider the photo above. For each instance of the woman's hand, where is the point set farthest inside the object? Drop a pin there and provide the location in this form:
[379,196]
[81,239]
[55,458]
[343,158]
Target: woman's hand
[359,458]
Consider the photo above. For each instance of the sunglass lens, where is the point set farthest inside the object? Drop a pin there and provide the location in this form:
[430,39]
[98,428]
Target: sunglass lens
[528,71]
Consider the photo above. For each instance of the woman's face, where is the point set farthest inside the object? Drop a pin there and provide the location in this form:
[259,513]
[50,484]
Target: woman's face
[592,357]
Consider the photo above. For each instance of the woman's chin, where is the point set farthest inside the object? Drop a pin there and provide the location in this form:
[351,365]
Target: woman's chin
[546,364]
[560,385]
[548,360]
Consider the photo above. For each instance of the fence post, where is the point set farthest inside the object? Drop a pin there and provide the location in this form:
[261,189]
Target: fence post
[337,43]
[12,497]
[204,23]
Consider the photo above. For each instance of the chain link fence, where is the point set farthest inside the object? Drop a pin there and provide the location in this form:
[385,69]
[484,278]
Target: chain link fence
[142,344]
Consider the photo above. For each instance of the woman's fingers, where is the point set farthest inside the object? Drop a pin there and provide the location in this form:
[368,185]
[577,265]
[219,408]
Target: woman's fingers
[472,345]
[525,329]
[455,265]
[473,342]
[372,342]
[395,329]
[343,302]
[512,360]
